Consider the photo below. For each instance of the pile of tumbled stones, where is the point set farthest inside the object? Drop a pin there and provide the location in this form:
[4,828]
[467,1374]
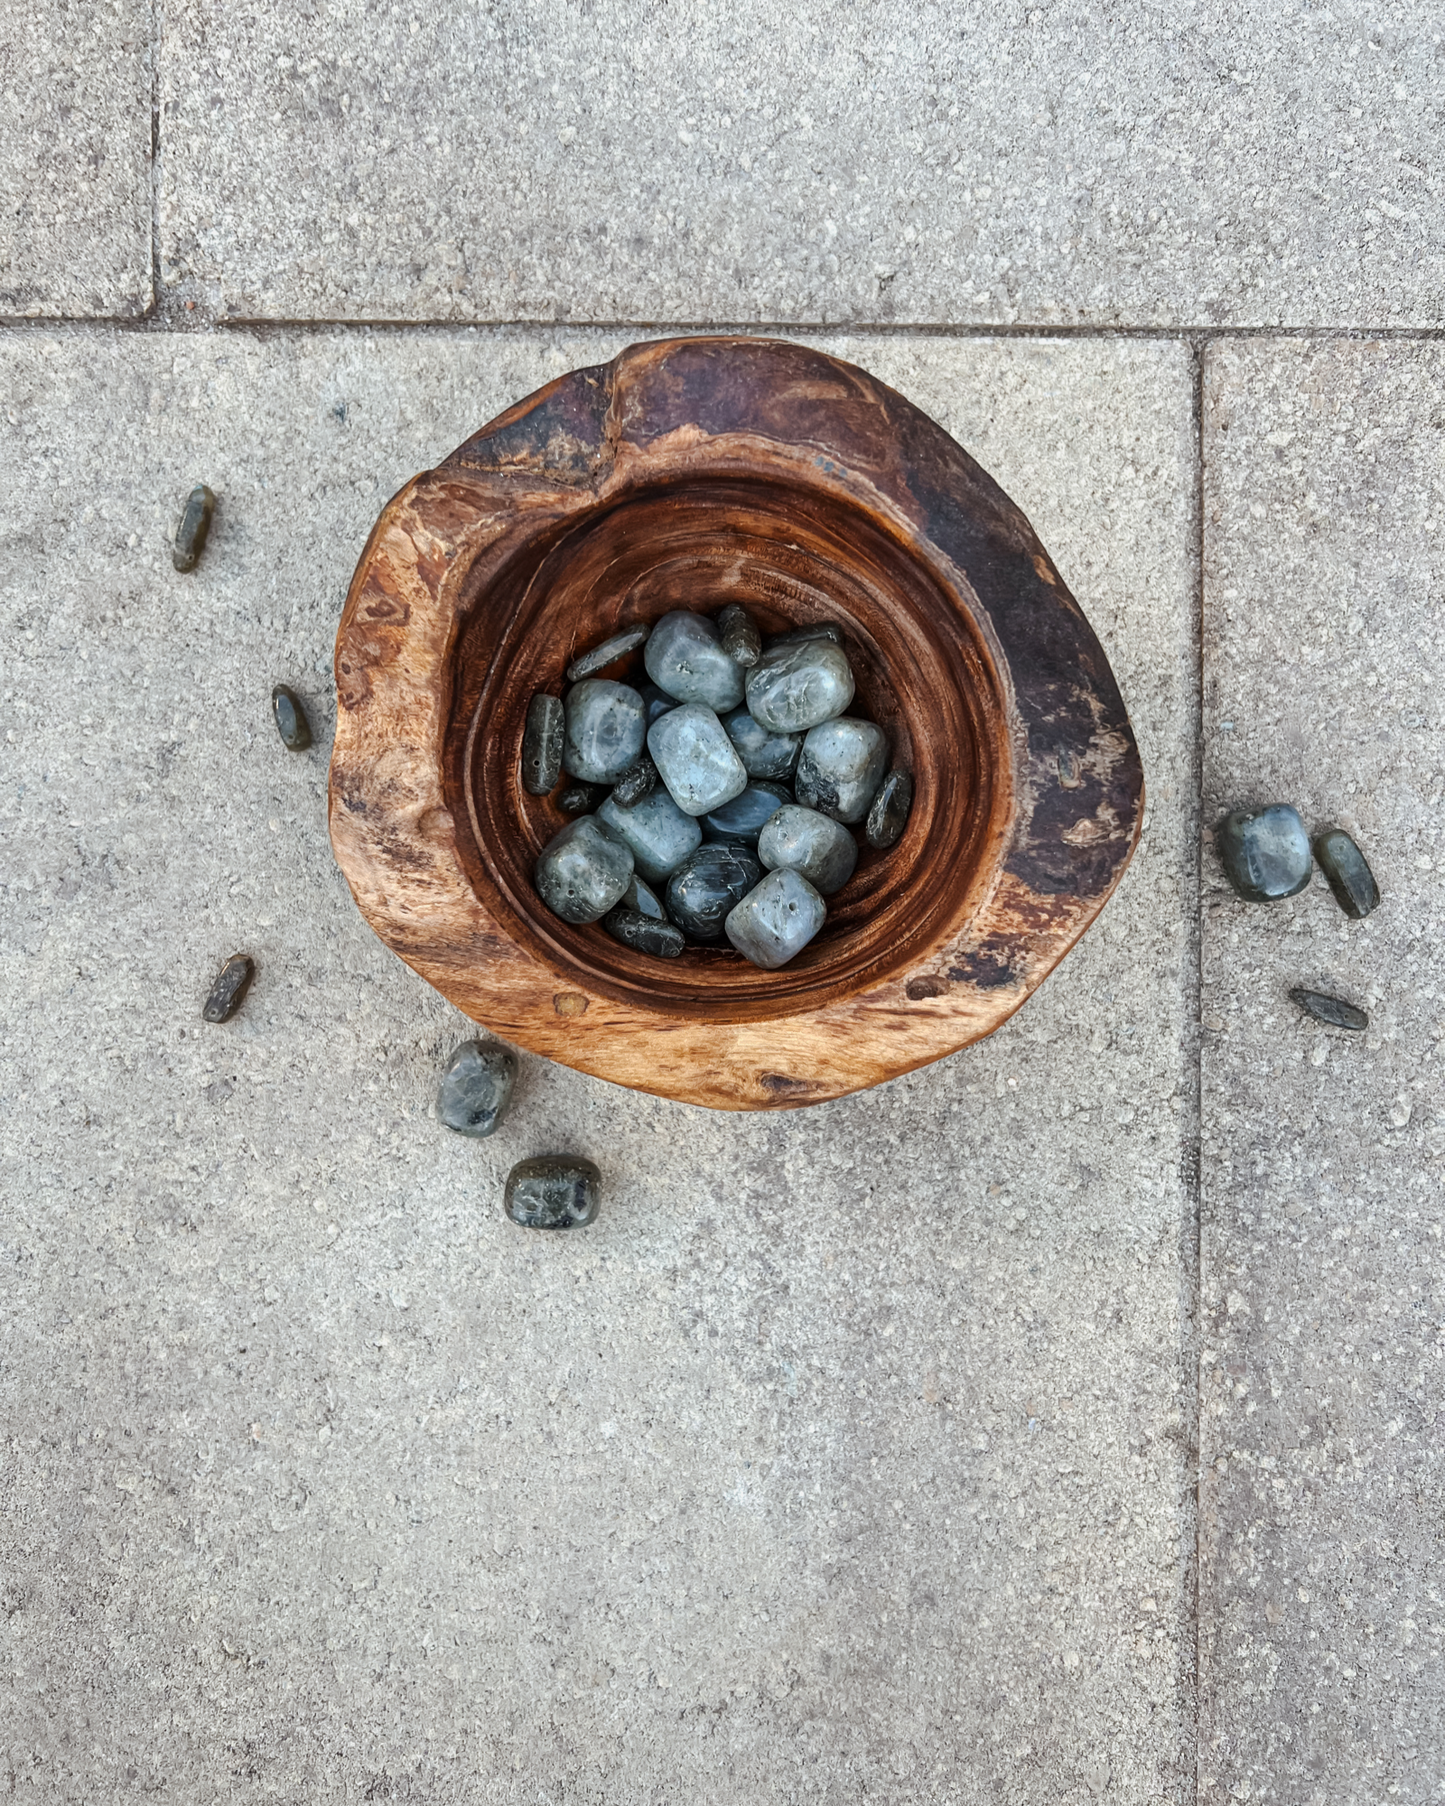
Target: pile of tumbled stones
[731,781]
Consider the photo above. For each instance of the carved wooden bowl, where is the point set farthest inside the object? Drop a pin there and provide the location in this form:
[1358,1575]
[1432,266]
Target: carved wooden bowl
[686,474]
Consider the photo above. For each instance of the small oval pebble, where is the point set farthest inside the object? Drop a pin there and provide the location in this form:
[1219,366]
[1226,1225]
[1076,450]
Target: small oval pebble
[776,920]
[195,528]
[707,885]
[635,783]
[1333,1010]
[764,755]
[742,818]
[582,871]
[840,768]
[476,1088]
[802,840]
[289,715]
[696,760]
[580,799]
[657,831]
[643,934]
[553,1191]
[1347,873]
[228,993]
[542,744]
[739,635]
[796,687]
[1265,853]
[600,657]
[888,816]
[684,658]
[606,728]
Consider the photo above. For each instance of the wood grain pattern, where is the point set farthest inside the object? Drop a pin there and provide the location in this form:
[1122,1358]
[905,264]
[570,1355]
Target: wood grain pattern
[691,473]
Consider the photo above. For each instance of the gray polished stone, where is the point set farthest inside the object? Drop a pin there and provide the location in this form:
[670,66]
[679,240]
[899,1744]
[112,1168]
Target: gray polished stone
[583,871]
[476,1088]
[739,635]
[684,659]
[796,686]
[889,810]
[610,650]
[642,900]
[1265,853]
[228,992]
[764,754]
[696,759]
[644,933]
[840,768]
[656,702]
[742,818]
[638,781]
[776,920]
[542,739]
[660,835]
[553,1191]
[1333,1011]
[1347,873]
[289,713]
[606,728]
[802,840]
[708,884]
[194,529]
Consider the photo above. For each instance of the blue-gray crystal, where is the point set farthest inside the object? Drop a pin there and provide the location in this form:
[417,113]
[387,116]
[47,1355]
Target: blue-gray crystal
[1265,852]
[1347,873]
[476,1087]
[658,833]
[888,812]
[600,657]
[553,1191]
[775,921]
[636,782]
[542,744]
[697,761]
[742,819]
[582,871]
[840,768]
[797,686]
[642,900]
[764,755]
[1333,1010]
[802,840]
[606,728]
[656,702]
[739,635]
[643,934]
[708,884]
[685,659]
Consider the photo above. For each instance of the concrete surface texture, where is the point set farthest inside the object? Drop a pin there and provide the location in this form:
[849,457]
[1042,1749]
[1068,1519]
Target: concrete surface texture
[1057,1425]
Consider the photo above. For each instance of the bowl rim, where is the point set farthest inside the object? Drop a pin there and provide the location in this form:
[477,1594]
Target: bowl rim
[1069,790]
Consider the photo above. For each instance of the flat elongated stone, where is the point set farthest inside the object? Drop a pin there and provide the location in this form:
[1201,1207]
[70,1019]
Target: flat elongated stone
[739,635]
[638,781]
[656,830]
[742,818]
[684,658]
[707,885]
[796,636]
[553,1191]
[1265,852]
[606,728]
[764,754]
[582,871]
[1333,1010]
[1347,873]
[289,714]
[840,768]
[580,799]
[644,934]
[600,657]
[795,687]
[542,744]
[801,840]
[476,1088]
[776,920]
[656,702]
[195,528]
[888,812]
[642,900]
[697,761]
[228,993]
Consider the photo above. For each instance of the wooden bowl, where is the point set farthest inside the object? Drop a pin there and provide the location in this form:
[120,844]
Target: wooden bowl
[686,474]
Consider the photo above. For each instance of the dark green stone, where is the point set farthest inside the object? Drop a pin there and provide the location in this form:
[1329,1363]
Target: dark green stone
[739,635]
[888,816]
[1333,1010]
[476,1088]
[1265,852]
[291,722]
[553,1191]
[707,885]
[228,993]
[542,744]
[1346,872]
[580,799]
[643,934]
[636,782]
[194,529]
[608,653]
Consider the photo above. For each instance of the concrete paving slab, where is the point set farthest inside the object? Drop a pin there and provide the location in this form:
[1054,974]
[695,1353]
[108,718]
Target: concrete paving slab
[814,164]
[1324,1168]
[847,1456]
[75,195]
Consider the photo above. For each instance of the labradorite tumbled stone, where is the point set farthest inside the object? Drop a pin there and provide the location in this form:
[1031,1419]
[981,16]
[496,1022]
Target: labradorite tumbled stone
[739,635]
[1347,873]
[600,657]
[1265,852]
[582,871]
[1333,1010]
[802,840]
[656,702]
[636,782]
[642,900]
[708,884]
[553,1191]
[606,728]
[580,799]
[742,819]
[476,1088]
[776,920]
[290,718]
[697,761]
[888,812]
[542,744]
[797,686]
[643,934]
[764,755]
[685,659]
[840,768]
[656,830]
